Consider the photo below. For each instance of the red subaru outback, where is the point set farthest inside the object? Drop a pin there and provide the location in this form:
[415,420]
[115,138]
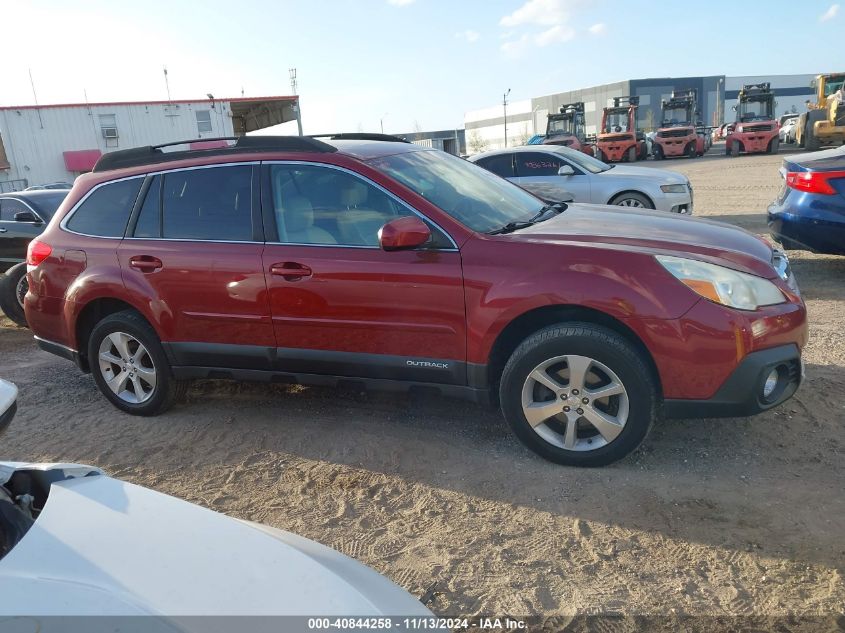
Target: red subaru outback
[366,260]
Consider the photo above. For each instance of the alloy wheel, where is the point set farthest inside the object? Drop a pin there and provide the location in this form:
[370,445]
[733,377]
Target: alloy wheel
[631,202]
[127,367]
[575,402]
[21,289]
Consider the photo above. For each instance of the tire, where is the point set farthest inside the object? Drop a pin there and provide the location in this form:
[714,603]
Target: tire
[774,145]
[691,150]
[811,141]
[657,152]
[601,155]
[13,286]
[632,199]
[153,399]
[609,361]
[736,148]
[727,151]
[632,155]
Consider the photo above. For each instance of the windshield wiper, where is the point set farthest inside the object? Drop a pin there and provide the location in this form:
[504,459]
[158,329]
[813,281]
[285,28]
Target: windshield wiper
[510,227]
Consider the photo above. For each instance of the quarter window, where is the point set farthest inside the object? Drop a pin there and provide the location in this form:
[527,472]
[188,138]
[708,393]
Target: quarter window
[203,121]
[206,204]
[321,205]
[106,211]
[536,164]
[149,219]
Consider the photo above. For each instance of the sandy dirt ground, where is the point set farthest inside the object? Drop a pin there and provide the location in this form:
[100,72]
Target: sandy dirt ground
[709,517]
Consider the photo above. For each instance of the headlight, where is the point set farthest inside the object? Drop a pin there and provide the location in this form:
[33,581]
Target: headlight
[723,285]
[673,188]
[739,129]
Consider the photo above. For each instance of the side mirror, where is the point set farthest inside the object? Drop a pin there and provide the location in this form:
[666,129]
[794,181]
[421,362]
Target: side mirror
[403,234]
[733,108]
[26,216]
[565,170]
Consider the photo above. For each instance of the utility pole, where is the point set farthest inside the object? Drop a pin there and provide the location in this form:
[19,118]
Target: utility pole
[293,88]
[166,83]
[381,121]
[35,98]
[505,106]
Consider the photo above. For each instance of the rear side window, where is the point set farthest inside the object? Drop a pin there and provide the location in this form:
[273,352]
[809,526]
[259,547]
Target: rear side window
[501,165]
[106,211]
[206,204]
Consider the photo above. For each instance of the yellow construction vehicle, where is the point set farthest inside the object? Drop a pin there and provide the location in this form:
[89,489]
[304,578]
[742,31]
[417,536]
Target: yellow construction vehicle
[824,121]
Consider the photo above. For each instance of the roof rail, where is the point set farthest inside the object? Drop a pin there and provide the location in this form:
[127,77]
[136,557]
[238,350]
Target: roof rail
[361,136]
[153,154]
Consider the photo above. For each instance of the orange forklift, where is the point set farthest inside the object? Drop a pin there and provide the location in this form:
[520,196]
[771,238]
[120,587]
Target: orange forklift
[568,128]
[756,129]
[619,140]
[678,135]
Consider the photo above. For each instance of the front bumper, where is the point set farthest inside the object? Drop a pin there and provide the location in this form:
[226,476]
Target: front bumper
[742,393]
[807,225]
[7,415]
[673,202]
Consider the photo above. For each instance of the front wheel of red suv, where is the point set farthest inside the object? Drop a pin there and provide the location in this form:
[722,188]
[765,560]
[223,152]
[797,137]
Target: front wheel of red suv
[129,365]
[578,394]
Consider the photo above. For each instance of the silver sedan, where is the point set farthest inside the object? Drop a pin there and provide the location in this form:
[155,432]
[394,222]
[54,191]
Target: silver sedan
[589,179]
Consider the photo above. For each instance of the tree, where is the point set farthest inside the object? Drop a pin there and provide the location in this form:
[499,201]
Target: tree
[523,135]
[476,143]
[418,131]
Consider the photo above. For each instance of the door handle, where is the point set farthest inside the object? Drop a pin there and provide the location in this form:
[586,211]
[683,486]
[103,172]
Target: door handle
[145,263]
[290,271]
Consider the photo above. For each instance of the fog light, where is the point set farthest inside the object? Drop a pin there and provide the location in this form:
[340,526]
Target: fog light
[771,383]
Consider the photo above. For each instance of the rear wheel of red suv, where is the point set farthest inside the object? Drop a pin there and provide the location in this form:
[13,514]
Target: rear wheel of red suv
[130,367]
[578,394]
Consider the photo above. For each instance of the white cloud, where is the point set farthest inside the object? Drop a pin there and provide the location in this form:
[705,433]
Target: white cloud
[830,13]
[558,33]
[469,35]
[539,12]
[598,29]
[400,3]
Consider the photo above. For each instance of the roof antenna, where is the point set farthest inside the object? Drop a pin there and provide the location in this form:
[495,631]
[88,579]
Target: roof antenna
[35,97]
[166,83]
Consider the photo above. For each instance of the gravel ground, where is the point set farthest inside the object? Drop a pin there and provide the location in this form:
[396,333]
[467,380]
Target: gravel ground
[715,517]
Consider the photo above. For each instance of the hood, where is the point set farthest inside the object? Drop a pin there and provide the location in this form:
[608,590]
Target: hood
[105,547]
[656,232]
[650,174]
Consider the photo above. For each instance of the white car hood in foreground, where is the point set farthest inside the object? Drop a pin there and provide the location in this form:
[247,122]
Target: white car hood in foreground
[105,547]
[8,395]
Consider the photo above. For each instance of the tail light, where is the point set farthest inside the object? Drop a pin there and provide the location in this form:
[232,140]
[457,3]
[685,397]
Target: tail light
[813,181]
[37,252]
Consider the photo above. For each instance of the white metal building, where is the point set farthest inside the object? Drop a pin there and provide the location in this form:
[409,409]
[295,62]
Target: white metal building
[717,95]
[56,143]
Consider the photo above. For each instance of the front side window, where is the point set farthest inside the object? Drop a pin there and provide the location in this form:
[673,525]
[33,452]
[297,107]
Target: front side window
[9,207]
[203,121]
[327,206]
[204,204]
[472,195]
[530,164]
[106,211]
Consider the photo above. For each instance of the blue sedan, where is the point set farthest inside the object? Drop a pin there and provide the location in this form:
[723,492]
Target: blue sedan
[809,213]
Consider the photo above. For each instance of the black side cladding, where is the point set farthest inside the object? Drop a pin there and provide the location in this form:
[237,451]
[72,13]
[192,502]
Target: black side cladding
[153,154]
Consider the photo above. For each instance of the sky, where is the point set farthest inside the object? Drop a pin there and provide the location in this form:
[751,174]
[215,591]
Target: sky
[404,64]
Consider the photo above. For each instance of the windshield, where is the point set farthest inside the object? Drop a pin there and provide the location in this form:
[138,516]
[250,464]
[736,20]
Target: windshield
[675,117]
[566,126]
[616,122]
[582,160]
[472,195]
[755,110]
[47,203]
[832,85]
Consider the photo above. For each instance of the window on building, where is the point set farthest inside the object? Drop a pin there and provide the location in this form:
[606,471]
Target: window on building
[203,121]
[108,128]
[208,204]
[106,211]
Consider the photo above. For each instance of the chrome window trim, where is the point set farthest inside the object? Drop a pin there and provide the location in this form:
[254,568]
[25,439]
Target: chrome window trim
[69,215]
[390,194]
